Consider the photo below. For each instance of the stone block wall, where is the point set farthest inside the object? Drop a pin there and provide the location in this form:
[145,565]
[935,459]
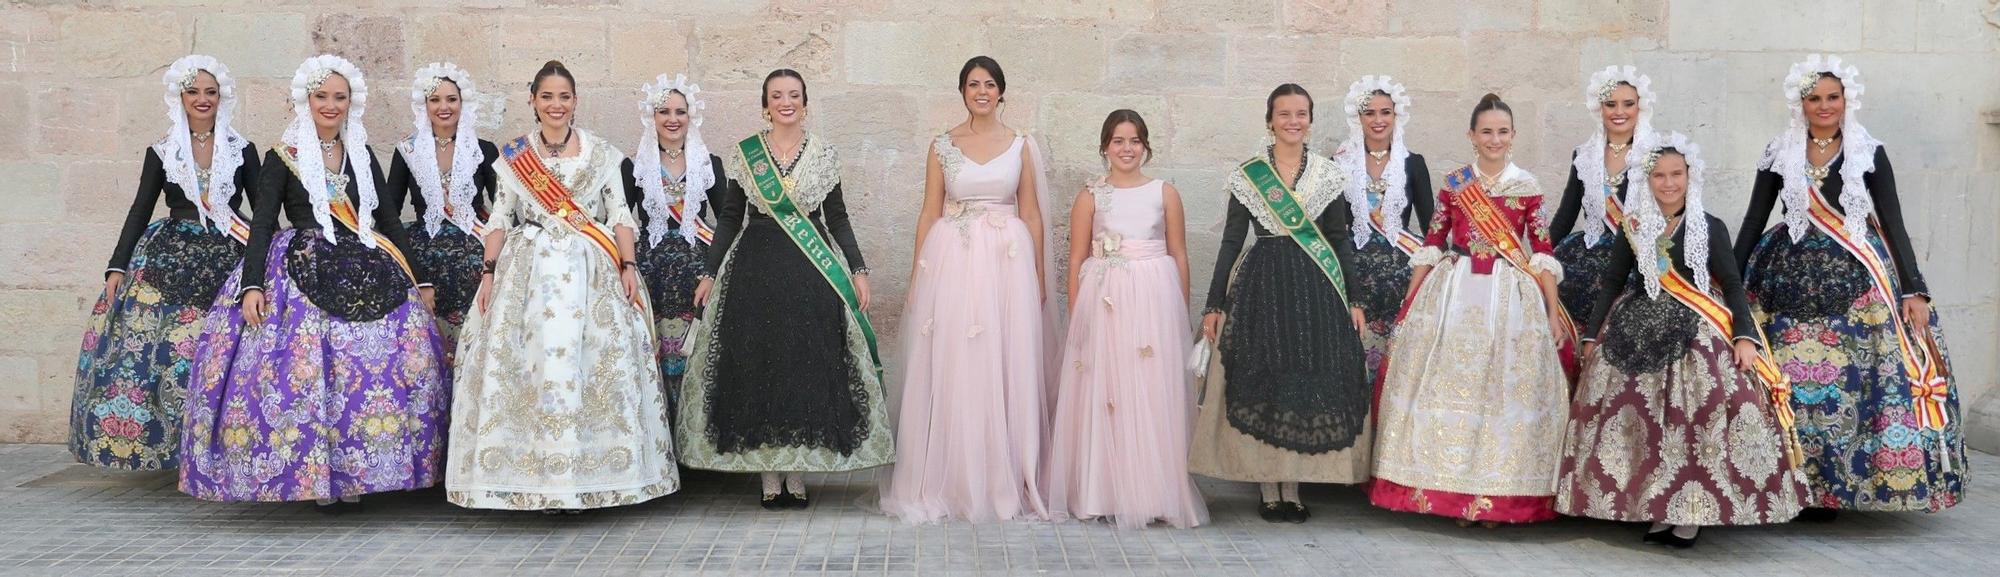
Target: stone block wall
[80,98]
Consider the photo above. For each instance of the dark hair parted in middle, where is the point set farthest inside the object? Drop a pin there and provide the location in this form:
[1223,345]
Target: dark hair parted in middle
[764,95]
[991,67]
[1287,89]
[551,68]
[1489,102]
[1125,116]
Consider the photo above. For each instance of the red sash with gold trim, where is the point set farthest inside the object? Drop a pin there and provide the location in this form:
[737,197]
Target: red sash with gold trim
[1486,218]
[553,196]
[701,229]
[1922,363]
[343,213]
[1614,212]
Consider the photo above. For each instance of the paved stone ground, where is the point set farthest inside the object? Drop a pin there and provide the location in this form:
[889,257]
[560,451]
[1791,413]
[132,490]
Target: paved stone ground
[58,518]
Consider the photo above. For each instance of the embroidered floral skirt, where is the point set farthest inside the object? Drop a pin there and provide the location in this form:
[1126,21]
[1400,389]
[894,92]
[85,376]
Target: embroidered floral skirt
[132,374]
[1583,272]
[1665,429]
[557,400]
[1381,277]
[451,262]
[338,393]
[1856,419]
[781,379]
[1287,394]
[1473,400]
[670,269]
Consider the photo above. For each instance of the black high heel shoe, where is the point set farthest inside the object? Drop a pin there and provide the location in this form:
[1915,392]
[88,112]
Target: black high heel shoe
[776,502]
[1818,515]
[797,500]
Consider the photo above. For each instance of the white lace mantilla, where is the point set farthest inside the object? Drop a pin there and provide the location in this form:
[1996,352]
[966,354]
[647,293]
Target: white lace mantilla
[1319,186]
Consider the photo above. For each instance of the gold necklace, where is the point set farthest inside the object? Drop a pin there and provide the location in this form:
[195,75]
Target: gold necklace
[1618,148]
[1824,143]
[444,142]
[202,137]
[1378,154]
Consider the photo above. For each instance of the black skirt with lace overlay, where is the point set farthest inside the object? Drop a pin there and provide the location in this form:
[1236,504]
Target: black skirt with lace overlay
[1297,378]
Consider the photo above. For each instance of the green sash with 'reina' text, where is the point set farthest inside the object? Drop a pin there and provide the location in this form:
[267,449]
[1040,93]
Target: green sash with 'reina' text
[772,189]
[1285,209]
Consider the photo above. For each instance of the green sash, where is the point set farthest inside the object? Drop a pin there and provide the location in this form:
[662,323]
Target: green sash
[1278,199]
[766,184]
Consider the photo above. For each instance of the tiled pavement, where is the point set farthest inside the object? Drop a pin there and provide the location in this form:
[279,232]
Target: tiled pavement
[57,518]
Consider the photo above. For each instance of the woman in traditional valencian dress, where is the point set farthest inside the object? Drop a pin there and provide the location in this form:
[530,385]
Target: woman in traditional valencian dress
[1474,397]
[1386,184]
[1593,203]
[558,405]
[784,379]
[1837,288]
[1119,448]
[972,421]
[132,377]
[318,377]
[1672,423]
[1288,401]
[449,179]
[668,182]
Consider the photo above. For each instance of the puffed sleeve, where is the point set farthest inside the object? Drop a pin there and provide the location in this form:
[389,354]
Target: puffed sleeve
[273,185]
[616,211]
[1763,197]
[1544,259]
[1238,225]
[729,209]
[1723,271]
[1889,210]
[152,178]
[634,196]
[1437,239]
[1571,205]
[1616,274]
[834,212]
[1419,190]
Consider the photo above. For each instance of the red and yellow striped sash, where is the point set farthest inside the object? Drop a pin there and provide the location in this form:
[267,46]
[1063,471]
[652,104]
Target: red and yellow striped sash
[1719,318]
[1486,218]
[1922,363]
[1402,240]
[554,197]
[701,229]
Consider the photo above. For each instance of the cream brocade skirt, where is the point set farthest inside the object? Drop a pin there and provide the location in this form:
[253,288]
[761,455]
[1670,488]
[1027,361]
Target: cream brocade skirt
[1473,399]
[558,399]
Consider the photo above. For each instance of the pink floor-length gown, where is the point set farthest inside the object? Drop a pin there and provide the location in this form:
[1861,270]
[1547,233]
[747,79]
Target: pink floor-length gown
[1124,410]
[973,417]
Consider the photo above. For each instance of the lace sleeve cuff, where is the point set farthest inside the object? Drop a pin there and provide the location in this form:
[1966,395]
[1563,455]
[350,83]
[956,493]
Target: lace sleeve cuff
[246,290]
[1927,296]
[108,271]
[1426,256]
[1548,264]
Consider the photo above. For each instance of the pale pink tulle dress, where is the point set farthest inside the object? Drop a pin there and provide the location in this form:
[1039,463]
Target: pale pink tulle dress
[972,418]
[1124,407]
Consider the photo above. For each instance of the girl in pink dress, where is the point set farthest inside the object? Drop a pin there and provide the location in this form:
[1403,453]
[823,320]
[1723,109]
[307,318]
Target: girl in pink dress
[973,412]
[1123,411]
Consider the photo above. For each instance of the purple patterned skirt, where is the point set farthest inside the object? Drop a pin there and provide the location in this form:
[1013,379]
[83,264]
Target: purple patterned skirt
[313,404]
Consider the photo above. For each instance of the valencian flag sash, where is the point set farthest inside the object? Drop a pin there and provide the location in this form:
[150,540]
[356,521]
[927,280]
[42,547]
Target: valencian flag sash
[1285,209]
[549,191]
[343,212]
[1403,240]
[774,191]
[1718,317]
[232,224]
[679,213]
[1487,220]
[1614,210]
[1922,364]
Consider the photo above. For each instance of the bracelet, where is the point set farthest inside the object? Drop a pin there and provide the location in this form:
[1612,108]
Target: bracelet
[704,276]
[627,265]
[486,267]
